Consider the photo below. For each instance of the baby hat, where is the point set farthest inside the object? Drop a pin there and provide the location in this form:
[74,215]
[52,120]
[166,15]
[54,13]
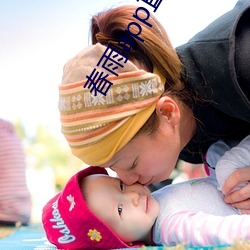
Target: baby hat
[69,223]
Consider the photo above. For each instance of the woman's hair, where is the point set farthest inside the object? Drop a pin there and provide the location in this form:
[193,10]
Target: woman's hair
[156,51]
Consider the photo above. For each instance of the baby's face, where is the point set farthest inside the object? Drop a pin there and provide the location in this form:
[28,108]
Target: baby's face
[130,211]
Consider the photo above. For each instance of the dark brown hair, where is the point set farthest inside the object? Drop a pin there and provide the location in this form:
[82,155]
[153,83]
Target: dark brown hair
[156,51]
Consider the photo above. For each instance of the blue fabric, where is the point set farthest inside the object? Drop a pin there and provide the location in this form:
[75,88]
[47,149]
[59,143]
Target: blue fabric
[33,238]
[26,239]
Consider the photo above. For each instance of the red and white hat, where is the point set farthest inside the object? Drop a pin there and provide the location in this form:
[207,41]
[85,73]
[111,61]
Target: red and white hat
[69,223]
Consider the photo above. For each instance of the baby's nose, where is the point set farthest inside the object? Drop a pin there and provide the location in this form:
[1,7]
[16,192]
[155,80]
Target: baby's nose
[133,198]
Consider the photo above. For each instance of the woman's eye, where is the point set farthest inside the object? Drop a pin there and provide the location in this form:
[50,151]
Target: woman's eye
[120,206]
[121,186]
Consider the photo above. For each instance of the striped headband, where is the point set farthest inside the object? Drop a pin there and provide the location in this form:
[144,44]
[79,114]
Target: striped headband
[98,126]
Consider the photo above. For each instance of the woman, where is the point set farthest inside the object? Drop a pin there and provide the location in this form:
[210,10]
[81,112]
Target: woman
[138,125]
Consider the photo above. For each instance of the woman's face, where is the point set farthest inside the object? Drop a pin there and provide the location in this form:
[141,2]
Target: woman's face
[148,159]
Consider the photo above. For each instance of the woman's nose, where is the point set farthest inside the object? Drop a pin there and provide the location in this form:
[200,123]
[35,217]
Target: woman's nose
[126,177]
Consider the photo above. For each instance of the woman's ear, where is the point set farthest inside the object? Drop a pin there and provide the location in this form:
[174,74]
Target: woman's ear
[168,109]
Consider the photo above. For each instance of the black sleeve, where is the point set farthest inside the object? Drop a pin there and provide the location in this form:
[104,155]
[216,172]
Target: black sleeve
[242,53]
[217,66]
[217,58]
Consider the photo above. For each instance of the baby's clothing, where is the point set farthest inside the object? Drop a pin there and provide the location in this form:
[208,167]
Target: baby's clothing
[194,212]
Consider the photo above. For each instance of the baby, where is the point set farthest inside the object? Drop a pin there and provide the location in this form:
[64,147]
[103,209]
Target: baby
[96,211]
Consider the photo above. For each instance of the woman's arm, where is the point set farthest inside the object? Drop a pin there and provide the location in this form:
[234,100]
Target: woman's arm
[232,166]
[233,175]
[237,157]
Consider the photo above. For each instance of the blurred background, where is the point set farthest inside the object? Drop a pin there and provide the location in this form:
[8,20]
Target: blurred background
[36,39]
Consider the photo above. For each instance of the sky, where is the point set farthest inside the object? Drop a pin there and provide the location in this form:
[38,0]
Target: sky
[38,37]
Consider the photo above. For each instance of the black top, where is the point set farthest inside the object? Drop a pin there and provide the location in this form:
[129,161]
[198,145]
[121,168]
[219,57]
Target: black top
[217,67]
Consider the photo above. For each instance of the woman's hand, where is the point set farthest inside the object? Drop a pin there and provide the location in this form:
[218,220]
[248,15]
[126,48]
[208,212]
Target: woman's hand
[240,198]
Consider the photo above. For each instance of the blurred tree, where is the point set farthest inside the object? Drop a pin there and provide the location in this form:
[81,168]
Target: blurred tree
[20,130]
[45,150]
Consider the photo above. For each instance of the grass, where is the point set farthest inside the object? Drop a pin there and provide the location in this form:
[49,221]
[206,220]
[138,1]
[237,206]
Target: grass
[239,245]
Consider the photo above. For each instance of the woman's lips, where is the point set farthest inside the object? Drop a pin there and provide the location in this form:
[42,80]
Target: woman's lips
[148,183]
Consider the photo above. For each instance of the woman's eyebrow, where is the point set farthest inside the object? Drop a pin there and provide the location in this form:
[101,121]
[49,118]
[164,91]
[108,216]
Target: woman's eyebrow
[134,164]
[115,163]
